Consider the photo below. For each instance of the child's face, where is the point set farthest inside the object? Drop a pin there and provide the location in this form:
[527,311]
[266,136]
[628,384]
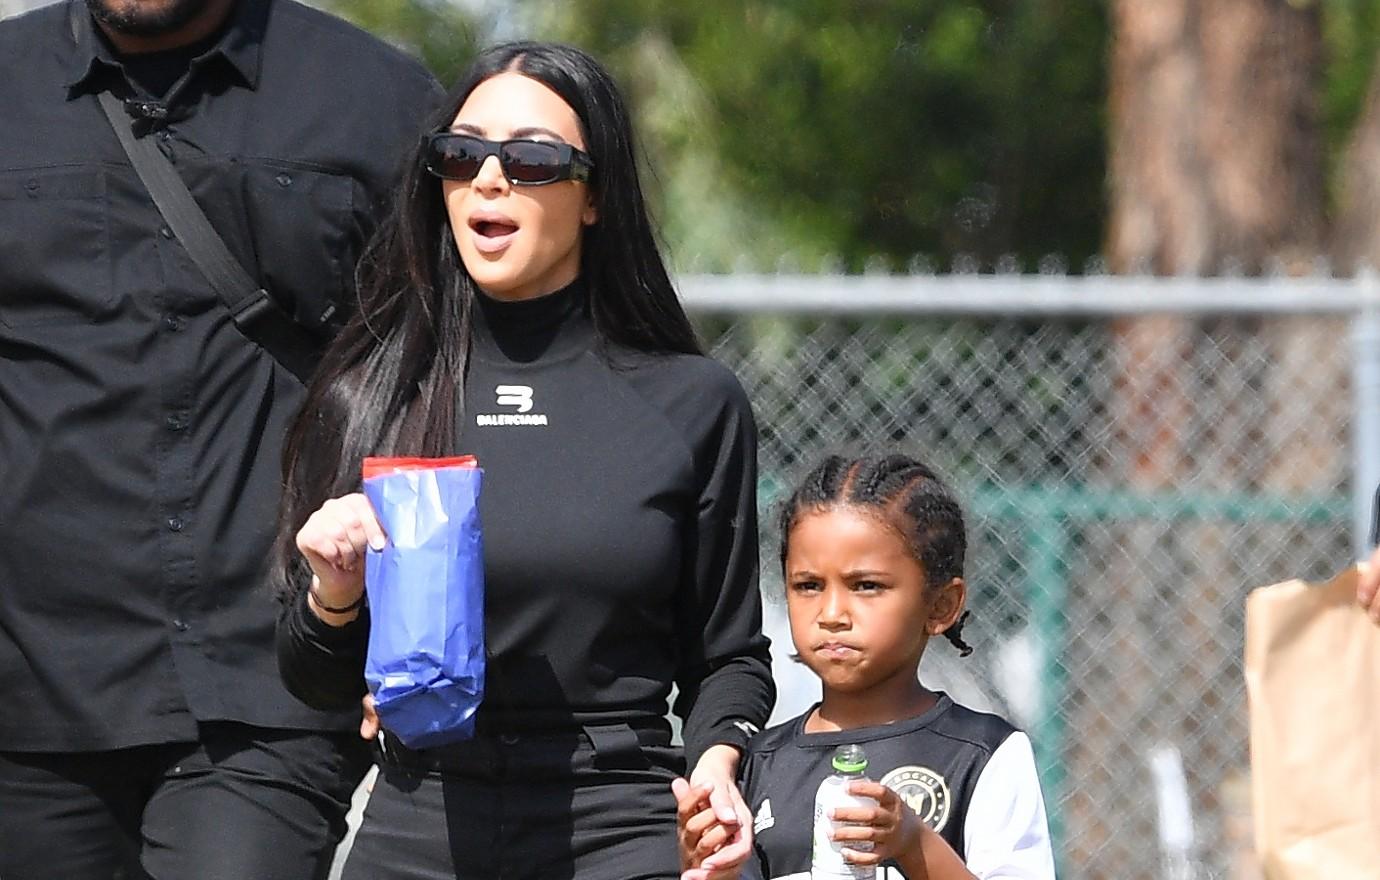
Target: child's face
[859,607]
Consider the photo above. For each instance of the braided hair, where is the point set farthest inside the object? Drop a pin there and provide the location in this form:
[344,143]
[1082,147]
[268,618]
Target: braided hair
[906,495]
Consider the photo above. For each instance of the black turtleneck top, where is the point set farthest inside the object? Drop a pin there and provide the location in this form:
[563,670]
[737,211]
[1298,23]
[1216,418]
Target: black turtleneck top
[620,537]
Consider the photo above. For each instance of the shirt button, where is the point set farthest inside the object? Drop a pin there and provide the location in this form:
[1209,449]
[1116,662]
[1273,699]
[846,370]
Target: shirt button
[172,322]
[175,523]
[164,134]
[284,179]
[165,232]
[176,421]
[180,625]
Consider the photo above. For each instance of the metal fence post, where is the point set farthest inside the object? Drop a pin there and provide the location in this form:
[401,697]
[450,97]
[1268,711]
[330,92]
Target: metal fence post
[1365,423]
[1048,548]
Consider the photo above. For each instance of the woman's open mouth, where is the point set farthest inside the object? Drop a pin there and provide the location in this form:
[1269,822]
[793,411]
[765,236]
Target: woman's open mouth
[492,233]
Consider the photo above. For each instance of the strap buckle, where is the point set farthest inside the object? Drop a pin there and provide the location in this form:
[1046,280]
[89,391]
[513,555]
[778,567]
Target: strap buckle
[254,308]
[616,746]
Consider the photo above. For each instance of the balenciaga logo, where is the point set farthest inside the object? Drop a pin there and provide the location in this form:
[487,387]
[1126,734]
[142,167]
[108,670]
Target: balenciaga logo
[517,396]
[924,791]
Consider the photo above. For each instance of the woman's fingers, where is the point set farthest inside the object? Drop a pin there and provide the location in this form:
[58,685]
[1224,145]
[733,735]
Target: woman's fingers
[1368,587]
[690,799]
[319,537]
[721,799]
[737,847]
[732,853]
[347,530]
[700,831]
[374,537]
[339,532]
[369,723]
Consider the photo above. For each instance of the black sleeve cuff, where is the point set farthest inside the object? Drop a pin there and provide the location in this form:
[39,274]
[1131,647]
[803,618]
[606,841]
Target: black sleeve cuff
[320,664]
[730,704]
[729,732]
[338,640]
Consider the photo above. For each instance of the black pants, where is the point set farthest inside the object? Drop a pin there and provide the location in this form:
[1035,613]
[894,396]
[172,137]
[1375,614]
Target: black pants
[244,803]
[590,805]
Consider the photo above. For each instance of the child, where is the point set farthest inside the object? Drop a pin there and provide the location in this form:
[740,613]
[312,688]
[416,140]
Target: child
[872,552]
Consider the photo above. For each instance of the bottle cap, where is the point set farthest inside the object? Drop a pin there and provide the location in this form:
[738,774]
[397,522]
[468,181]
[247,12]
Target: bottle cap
[850,759]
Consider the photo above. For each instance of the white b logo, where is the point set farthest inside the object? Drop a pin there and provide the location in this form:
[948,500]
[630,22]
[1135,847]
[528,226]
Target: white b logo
[519,396]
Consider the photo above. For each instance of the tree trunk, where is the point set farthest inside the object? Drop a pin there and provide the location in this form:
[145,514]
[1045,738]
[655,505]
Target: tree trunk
[1357,239]
[1216,150]
[1216,166]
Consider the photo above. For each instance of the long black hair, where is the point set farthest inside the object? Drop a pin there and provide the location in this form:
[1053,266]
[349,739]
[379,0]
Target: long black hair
[392,381]
[904,493]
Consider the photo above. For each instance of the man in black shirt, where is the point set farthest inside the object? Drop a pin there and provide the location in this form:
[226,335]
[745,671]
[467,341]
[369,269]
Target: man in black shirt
[144,722]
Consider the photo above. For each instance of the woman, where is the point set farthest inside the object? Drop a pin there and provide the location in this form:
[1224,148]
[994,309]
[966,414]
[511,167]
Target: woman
[515,307]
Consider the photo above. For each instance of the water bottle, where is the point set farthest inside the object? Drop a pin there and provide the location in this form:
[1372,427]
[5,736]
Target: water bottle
[826,861]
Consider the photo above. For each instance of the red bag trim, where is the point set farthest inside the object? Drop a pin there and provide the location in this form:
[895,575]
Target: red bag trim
[376,466]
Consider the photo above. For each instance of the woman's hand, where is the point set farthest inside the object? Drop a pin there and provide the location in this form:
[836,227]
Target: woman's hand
[699,834]
[722,825]
[333,541]
[1368,587]
[369,724]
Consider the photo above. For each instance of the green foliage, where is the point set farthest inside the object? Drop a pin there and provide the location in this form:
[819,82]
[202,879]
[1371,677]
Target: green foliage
[874,127]
[1351,37]
[436,31]
[826,134]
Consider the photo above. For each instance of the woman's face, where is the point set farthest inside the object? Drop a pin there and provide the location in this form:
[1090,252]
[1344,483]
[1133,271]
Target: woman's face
[518,242]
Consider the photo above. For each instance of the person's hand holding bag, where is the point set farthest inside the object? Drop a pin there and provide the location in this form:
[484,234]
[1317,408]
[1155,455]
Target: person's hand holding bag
[334,540]
[1368,587]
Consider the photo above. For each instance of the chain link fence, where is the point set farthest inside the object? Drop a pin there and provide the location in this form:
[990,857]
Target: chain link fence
[1129,477]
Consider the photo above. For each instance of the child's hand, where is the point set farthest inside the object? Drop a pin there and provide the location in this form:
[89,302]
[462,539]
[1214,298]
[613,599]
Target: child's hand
[700,835]
[891,826]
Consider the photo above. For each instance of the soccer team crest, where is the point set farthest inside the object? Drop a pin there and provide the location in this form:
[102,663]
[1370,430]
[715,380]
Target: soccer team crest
[924,791]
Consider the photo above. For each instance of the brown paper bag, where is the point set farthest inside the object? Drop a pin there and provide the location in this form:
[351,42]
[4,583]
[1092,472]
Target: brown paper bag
[1313,684]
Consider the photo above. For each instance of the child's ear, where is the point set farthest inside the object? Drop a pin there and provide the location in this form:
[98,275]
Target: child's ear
[949,601]
[590,215]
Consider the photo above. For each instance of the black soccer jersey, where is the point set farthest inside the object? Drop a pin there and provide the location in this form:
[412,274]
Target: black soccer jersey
[969,775]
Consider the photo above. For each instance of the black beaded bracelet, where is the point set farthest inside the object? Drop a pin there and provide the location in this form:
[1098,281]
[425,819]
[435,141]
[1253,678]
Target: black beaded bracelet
[330,610]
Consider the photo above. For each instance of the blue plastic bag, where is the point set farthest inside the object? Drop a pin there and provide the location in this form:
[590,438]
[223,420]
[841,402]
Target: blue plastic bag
[425,664]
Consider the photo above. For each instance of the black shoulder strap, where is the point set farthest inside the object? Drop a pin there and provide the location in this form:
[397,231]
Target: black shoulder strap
[255,313]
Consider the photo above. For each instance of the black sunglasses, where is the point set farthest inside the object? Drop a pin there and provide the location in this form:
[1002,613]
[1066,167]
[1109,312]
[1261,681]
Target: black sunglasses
[453,156]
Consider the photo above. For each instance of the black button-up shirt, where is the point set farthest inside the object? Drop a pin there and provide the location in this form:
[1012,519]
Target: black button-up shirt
[140,431]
